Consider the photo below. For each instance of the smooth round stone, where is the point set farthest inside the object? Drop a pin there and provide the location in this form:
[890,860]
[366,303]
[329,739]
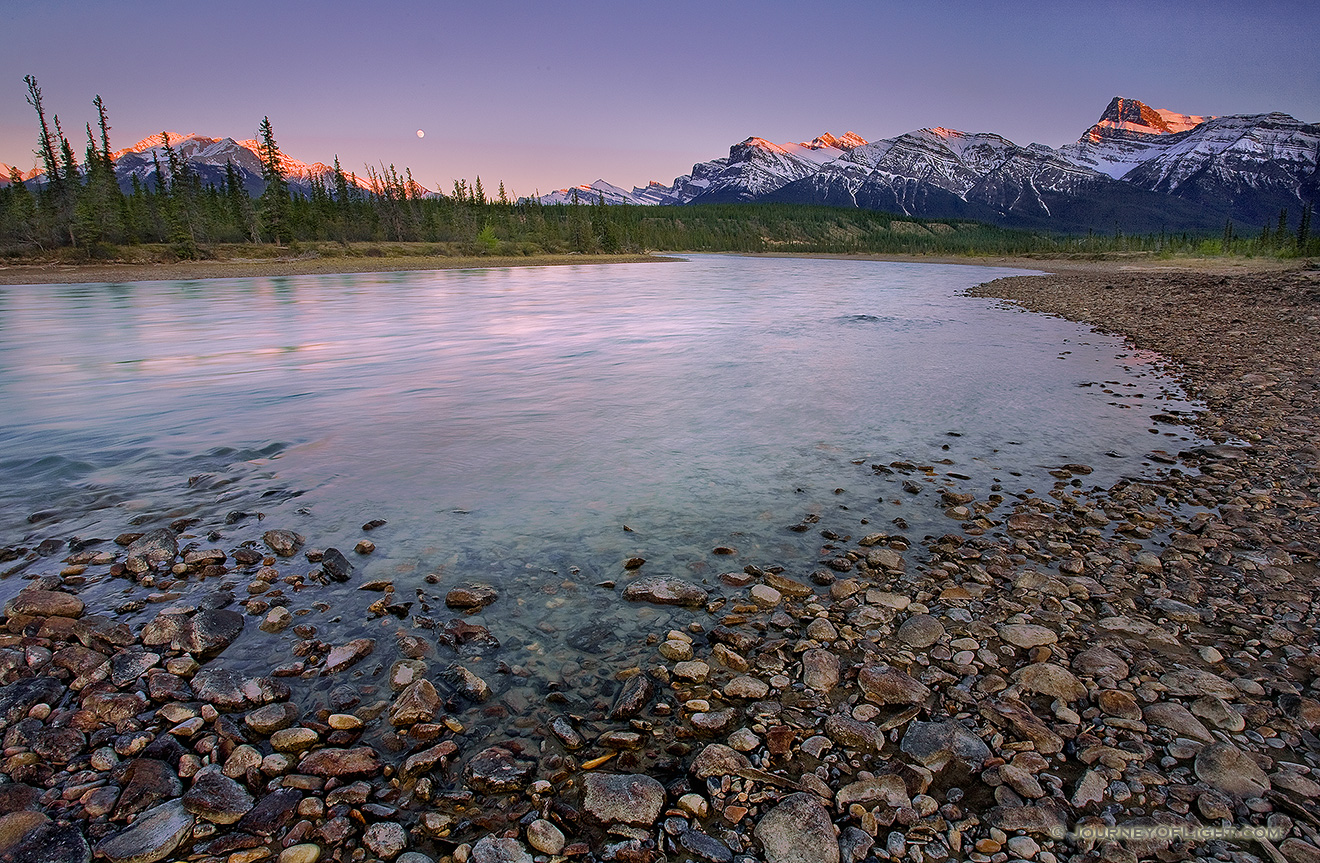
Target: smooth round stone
[676,651]
[385,838]
[294,739]
[765,596]
[744,740]
[744,686]
[1027,635]
[920,631]
[344,722]
[545,837]
[695,671]
[306,852]
[694,805]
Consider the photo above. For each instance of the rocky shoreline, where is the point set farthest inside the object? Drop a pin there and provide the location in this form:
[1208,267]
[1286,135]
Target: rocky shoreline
[1075,674]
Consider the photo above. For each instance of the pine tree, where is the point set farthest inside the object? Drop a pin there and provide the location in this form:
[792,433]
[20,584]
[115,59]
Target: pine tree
[1304,229]
[1281,232]
[478,193]
[274,201]
[504,197]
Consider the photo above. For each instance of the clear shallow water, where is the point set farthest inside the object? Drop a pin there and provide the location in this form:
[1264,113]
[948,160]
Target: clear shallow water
[509,423]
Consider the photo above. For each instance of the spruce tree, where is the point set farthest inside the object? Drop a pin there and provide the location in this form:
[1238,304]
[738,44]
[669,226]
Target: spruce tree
[1304,229]
[273,209]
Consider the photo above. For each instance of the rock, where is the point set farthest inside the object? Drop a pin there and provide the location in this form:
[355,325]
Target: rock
[1193,683]
[884,558]
[798,830]
[545,837]
[1043,819]
[146,783]
[920,631]
[820,670]
[335,566]
[276,620]
[1089,789]
[473,596]
[306,852]
[765,596]
[18,829]
[1216,711]
[746,687]
[676,650]
[718,760]
[1176,718]
[127,666]
[1027,635]
[152,837]
[469,685]
[418,702]
[853,734]
[294,740]
[705,847]
[210,631]
[944,746]
[1100,661]
[715,721]
[44,603]
[665,591]
[886,686]
[496,770]
[216,797]
[1297,851]
[285,543]
[271,718]
[220,687]
[615,798]
[157,546]
[17,698]
[1232,771]
[385,839]
[1049,679]
[788,586]
[346,655]
[1119,704]
[488,849]
[694,671]
[1022,781]
[271,813]
[48,843]
[888,789]
[340,762]
[636,693]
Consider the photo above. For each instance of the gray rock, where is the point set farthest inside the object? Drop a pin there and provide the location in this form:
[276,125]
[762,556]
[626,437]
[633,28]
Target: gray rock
[665,591]
[1232,771]
[271,813]
[491,850]
[1027,635]
[1041,819]
[1178,719]
[44,603]
[855,734]
[616,798]
[718,760]
[469,685]
[271,718]
[340,762]
[705,847]
[941,746]
[220,687]
[890,686]
[127,666]
[147,782]
[920,631]
[545,837]
[1046,678]
[418,702]
[798,830]
[216,797]
[152,837]
[210,631]
[157,545]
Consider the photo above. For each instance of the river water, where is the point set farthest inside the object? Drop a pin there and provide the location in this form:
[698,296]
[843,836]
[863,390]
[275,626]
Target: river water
[533,428]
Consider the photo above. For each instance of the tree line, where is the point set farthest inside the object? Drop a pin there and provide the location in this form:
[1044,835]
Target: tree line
[81,207]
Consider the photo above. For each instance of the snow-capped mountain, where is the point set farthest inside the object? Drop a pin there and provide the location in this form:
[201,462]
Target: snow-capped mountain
[1137,168]
[208,157]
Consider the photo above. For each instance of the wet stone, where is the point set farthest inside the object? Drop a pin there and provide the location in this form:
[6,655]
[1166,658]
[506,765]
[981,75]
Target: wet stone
[718,759]
[665,591]
[473,596]
[545,837]
[285,543]
[349,654]
[152,837]
[944,745]
[622,798]
[157,545]
[705,847]
[385,839]
[418,702]
[820,670]
[1046,678]
[335,566]
[1098,662]
[216,797]
[147,782]
[636,693]
[497,770]
[340,762]
[44,603]
[271,813]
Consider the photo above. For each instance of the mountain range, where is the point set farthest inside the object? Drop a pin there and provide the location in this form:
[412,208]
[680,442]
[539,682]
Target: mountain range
[1137,169]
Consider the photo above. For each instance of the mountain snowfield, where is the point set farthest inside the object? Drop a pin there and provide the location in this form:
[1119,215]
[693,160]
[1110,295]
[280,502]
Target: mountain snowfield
[1137,168]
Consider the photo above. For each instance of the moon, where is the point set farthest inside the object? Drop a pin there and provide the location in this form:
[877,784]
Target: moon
[421,134]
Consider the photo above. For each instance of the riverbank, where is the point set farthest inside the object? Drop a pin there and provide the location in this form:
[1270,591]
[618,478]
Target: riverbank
[1069,673]
[372,259]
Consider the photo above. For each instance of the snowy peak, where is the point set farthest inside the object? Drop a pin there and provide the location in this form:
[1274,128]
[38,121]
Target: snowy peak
[1131,115]
[848,141]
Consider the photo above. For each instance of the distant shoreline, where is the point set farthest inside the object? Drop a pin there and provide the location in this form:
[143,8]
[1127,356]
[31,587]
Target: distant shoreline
[57,272]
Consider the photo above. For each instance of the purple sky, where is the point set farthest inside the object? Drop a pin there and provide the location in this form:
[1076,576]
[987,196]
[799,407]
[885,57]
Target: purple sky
[543,95]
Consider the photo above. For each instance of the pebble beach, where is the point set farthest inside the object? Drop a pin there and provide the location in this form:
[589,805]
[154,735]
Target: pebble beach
[1073,673]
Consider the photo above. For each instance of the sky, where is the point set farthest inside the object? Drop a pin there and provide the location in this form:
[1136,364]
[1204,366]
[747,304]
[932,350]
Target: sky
[546,95]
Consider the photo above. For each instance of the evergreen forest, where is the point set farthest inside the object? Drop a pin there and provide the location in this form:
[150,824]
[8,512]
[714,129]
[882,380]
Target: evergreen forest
[78,209]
